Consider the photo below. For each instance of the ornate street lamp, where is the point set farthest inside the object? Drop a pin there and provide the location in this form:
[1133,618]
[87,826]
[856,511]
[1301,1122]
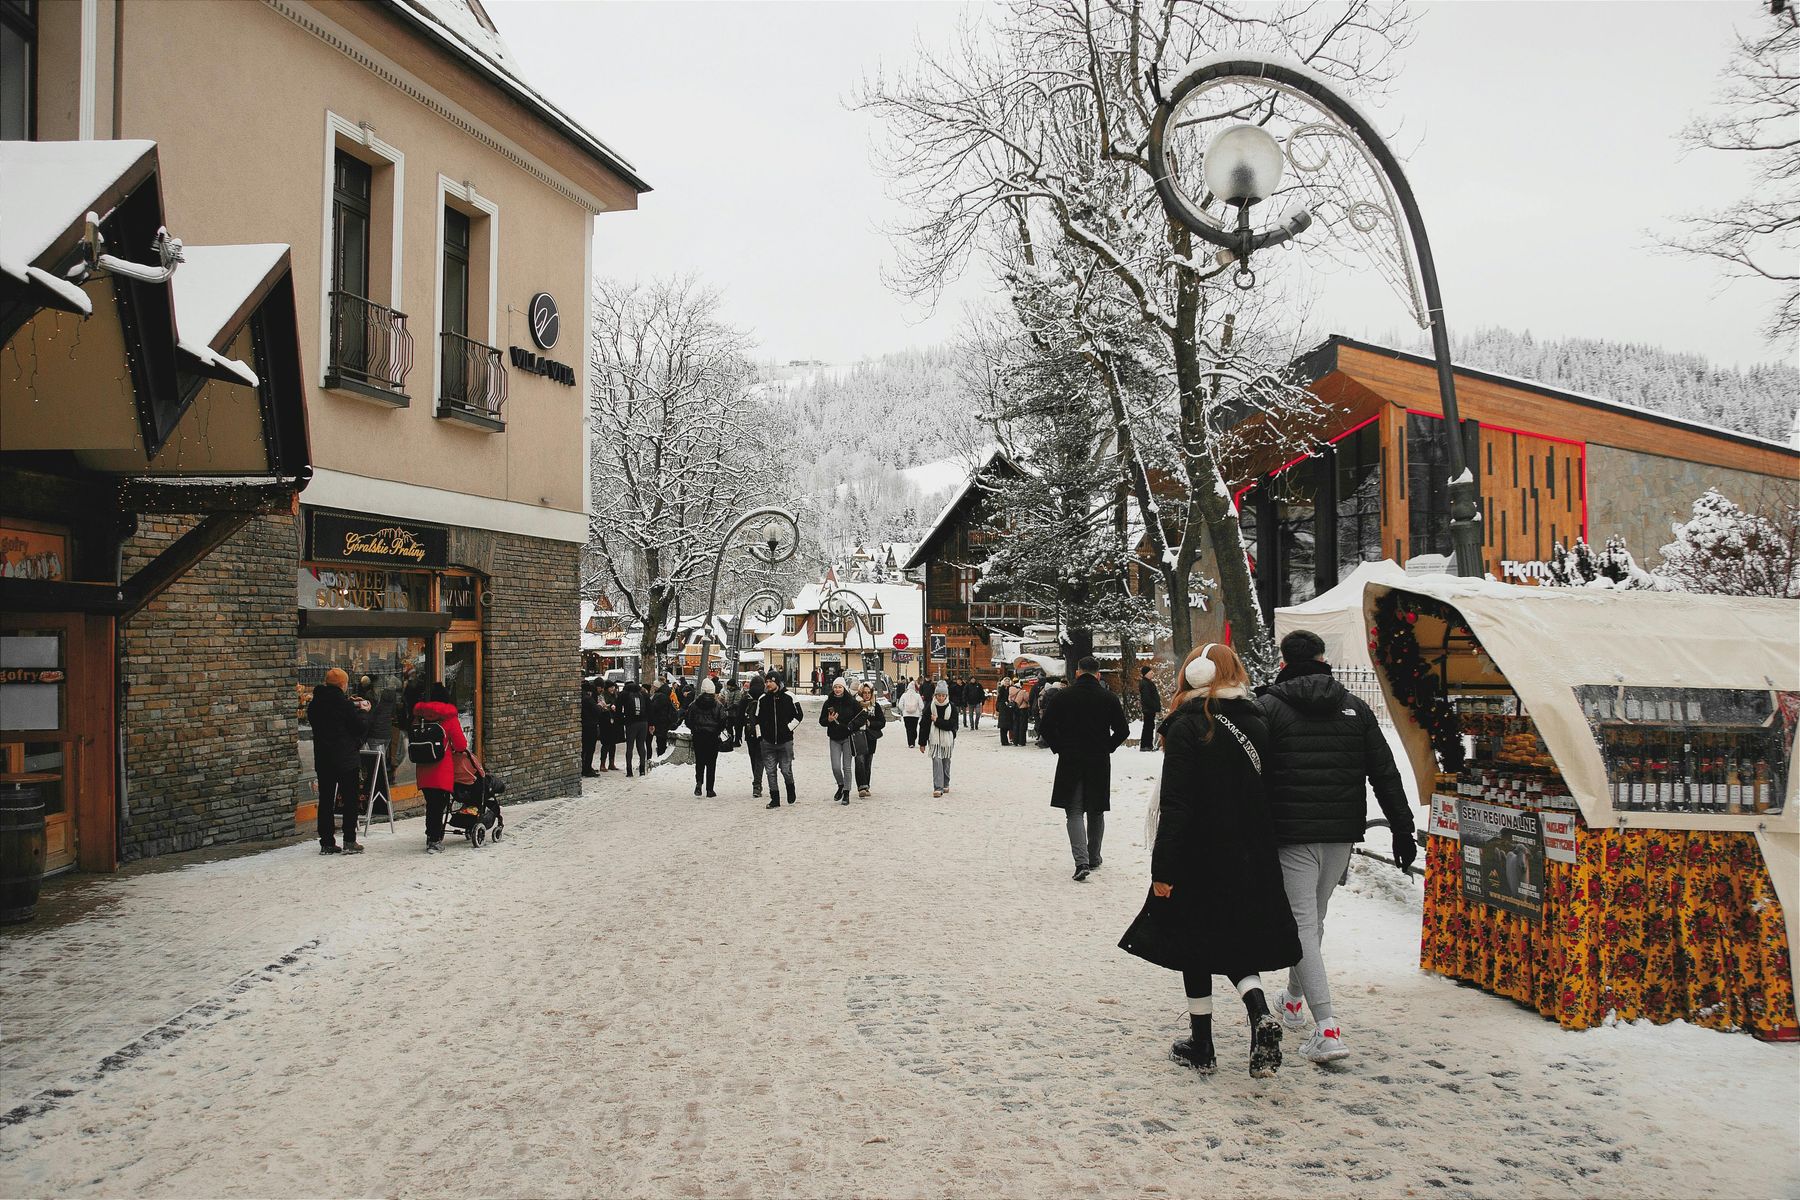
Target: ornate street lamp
[1243,165]
[780,538]
[767,602]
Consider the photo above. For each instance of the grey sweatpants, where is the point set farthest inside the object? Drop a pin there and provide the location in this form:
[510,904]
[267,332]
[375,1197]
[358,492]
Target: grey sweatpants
[1310,872]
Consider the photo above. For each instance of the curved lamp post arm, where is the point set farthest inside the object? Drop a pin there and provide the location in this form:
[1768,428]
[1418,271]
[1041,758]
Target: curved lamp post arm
[737,632]
[857,607]
[775,553]
[1465,530]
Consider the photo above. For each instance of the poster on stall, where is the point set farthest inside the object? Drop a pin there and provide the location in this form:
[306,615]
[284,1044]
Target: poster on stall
[1443,816]
[1559,836]
[1503,857]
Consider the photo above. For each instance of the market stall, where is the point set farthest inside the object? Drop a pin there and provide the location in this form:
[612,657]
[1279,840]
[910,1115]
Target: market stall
[1613,825]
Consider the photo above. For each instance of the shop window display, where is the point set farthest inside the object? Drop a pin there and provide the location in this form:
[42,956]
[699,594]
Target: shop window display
[398,673]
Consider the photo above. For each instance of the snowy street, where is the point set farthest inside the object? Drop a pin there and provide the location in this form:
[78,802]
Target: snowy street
[639,992]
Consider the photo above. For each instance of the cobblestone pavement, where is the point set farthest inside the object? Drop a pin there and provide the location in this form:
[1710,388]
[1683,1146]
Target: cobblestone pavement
[640,992]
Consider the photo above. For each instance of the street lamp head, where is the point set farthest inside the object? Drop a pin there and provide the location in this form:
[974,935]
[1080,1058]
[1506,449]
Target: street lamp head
[1243,165]
[771,532]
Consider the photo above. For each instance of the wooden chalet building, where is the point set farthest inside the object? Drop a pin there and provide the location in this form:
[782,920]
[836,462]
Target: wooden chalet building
[947,557]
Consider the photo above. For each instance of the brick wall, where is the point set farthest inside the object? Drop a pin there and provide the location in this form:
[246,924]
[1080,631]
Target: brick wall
[531,661]
[209,719]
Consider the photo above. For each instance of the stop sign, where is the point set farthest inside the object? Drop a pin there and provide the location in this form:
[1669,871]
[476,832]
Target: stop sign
[901,641]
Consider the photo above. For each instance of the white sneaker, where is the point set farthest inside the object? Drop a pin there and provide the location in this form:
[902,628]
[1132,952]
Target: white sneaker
[1291,1010]
[1325,1045]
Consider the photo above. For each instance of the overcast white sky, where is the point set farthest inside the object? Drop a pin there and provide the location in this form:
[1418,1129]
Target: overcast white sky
[1540,138]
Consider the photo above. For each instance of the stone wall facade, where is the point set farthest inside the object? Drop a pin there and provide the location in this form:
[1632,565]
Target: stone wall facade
[209,720]
[531,660]
[1638,496]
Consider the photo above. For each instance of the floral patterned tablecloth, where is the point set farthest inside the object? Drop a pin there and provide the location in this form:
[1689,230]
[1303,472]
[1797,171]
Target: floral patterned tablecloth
[1649,924]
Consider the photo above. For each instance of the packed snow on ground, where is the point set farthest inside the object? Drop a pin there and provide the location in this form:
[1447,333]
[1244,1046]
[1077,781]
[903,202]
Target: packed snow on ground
[640,992]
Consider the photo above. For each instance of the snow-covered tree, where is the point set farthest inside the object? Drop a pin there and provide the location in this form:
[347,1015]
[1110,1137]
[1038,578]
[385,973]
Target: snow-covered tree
[1758,118]
[1728,550]
[680,449]
[1028,144]
[1612,566]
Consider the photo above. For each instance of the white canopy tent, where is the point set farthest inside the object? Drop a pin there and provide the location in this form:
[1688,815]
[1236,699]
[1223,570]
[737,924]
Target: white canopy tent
[1548,642]
[1337,615]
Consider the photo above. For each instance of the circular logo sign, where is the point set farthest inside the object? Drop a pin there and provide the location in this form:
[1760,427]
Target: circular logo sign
[901,641]
[545,323]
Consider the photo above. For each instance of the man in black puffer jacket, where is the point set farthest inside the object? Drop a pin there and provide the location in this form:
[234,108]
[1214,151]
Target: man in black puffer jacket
[1325,746]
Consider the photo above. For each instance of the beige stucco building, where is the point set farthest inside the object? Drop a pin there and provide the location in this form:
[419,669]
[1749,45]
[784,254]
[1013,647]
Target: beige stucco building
[440,213]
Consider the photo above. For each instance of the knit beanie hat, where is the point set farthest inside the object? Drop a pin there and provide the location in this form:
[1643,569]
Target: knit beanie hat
[707,688]
[337,678]
[942,691]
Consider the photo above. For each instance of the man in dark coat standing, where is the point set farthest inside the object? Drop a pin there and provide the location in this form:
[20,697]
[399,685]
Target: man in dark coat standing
[1082,726]
[1325,749]
[591,720]
[338,727]
[1150,700]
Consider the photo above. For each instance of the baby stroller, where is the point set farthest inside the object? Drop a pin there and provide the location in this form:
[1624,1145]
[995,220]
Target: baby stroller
[476,814]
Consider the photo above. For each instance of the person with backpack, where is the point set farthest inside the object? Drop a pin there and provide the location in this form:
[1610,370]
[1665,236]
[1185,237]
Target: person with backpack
[437,738]
[1216,904]
[706,721]
[865,730]
[634,714]
[912,706]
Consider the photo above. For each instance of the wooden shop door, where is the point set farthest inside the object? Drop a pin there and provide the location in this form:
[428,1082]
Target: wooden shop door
[56,729]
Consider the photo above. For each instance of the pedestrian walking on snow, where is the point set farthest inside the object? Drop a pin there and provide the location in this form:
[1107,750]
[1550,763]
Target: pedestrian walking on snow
[634,712]
[706,720]
[1150,702]
[1082,726]
[912,706]
[834,717]
[865,732]
[1216,905]
[612,729]
[1326,751]
[939,740]
[745,722]
[339,725]
[591,721]
[438,780]
[1003,708]
[777,715]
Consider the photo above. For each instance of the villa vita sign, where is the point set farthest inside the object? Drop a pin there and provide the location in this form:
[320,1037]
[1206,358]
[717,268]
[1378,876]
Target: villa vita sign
[337,537]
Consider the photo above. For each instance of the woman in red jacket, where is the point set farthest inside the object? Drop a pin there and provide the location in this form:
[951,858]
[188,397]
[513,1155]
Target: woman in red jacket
[438,780]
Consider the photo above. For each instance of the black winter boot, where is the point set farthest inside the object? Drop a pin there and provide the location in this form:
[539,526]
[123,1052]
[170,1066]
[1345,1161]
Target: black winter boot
[1196,1050]
[1265,1036]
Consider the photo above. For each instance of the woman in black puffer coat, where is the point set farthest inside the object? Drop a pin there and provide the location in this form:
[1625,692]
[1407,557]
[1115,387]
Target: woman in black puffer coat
[1216,904]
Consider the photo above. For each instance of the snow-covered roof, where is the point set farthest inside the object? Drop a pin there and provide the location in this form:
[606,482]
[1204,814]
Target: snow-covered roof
[48,188]
[993,455]
[1560,393]
[214,288]
[465,27]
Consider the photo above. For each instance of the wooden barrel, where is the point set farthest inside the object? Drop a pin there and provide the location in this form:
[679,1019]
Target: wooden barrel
[21,850]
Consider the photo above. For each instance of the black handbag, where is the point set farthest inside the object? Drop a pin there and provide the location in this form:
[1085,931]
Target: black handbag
[1154,935]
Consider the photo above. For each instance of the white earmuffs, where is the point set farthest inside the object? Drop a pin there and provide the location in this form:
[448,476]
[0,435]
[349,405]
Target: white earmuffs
[1202,670]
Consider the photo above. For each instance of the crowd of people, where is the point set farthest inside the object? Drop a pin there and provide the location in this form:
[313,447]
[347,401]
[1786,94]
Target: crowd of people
[1260,802]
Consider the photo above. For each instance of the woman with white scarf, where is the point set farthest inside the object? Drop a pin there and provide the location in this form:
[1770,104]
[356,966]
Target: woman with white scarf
[940,737]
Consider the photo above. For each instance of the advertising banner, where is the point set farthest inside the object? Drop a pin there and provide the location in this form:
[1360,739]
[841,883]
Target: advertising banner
[1443,816]
[1559,836]
[1503,857]
[339,537]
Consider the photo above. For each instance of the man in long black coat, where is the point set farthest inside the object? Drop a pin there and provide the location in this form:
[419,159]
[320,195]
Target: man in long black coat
[1083,724]
[1150,701]
[338,726]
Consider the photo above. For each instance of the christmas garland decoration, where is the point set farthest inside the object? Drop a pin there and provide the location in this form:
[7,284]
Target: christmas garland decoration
[1394,645]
